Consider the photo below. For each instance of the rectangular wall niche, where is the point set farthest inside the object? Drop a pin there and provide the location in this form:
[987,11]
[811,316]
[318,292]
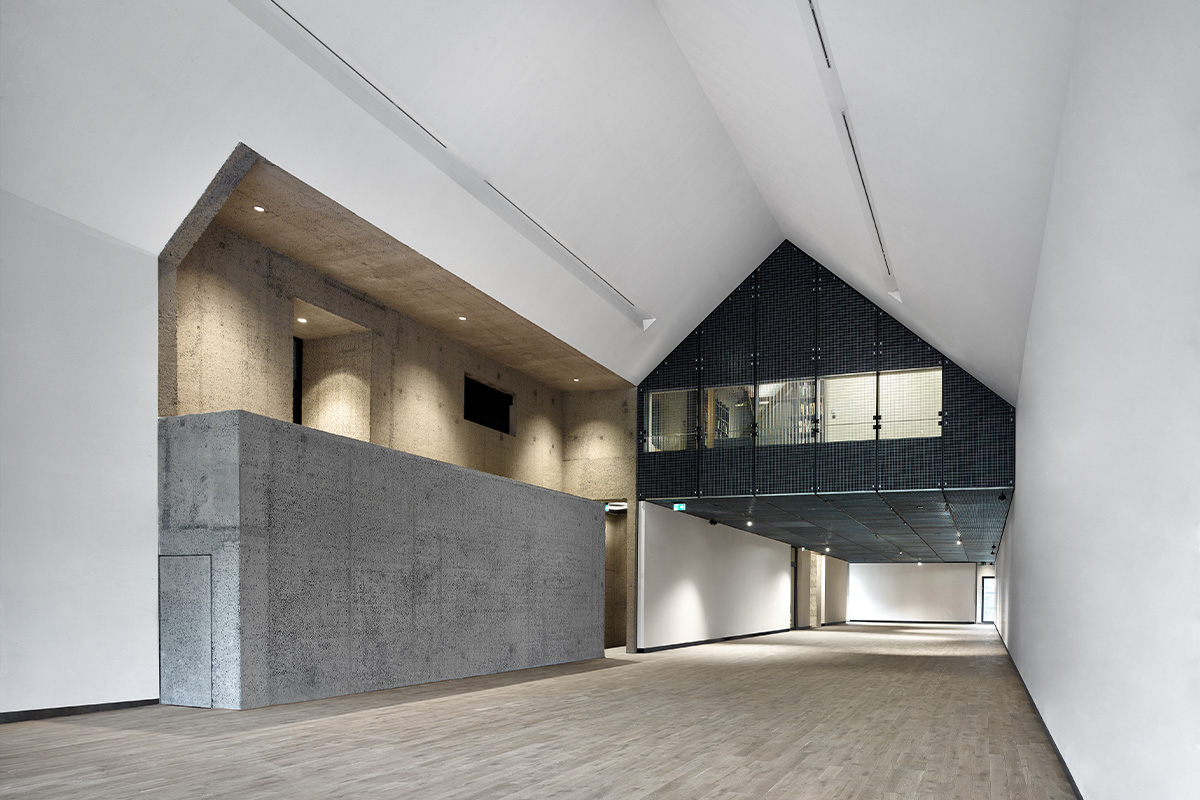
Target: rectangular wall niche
[336,566]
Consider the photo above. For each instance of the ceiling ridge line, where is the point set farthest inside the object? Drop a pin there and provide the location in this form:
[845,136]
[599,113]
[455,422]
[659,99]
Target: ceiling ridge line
[303,43]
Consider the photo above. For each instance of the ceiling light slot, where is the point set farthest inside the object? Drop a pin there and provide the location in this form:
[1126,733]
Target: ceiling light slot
[364,78]
[820,33]
[355,86]
[862,179]
[568,250]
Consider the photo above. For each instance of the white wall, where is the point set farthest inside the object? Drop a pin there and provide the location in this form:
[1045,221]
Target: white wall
[837,588]
[912,592]
[1106,510]
[698,581]
[78,476]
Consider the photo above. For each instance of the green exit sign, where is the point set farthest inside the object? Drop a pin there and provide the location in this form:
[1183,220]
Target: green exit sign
[680,507]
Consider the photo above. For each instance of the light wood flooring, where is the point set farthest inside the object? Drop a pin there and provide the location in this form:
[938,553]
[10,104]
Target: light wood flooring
[852,711]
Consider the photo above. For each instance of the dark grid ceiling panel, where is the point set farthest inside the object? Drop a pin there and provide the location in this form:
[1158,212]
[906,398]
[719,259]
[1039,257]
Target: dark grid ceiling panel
[980,516]
[869,527]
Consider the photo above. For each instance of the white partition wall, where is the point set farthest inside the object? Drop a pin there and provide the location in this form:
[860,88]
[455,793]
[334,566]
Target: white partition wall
[837,585]
[912,592]
[698,582]
[78,365]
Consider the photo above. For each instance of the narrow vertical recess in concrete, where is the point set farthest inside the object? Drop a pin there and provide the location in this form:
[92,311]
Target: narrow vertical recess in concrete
[599,461]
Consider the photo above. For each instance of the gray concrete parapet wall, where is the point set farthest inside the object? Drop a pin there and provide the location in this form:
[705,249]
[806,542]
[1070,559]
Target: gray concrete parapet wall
[297,564]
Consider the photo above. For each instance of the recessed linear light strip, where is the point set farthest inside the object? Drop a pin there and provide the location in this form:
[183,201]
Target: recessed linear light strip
[298,39]
[866,193]
[582,263]
[835,96]
[360,76]
[820,35]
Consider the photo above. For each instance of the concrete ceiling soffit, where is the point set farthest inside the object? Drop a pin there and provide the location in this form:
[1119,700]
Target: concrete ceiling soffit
[305,225]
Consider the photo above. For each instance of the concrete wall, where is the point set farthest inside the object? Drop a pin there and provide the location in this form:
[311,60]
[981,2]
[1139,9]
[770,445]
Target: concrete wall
[912,592]
[234,350]
[337,566]
[1106,512]
[336,385]
[427,403]
[837,587]
[77,500]
[234,329]
[600,462]
[698,581]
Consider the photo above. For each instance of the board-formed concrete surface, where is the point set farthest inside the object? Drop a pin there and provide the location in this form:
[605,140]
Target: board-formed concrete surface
[339,566]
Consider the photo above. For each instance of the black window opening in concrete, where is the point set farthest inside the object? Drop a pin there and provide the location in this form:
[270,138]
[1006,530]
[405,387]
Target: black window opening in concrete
[486,406]
[297,380]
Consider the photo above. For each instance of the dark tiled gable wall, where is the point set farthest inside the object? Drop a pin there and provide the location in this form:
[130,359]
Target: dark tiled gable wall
[792,318]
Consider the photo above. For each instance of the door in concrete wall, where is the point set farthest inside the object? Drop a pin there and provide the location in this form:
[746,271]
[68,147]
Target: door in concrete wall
[185,630]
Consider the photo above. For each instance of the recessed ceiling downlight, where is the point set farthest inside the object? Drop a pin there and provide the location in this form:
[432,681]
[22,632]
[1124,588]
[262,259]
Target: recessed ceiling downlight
[462,319]
[259,209]
[301,319]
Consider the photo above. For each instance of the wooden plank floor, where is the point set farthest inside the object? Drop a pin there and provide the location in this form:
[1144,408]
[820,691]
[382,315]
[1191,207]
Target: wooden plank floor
[855,711]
